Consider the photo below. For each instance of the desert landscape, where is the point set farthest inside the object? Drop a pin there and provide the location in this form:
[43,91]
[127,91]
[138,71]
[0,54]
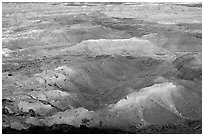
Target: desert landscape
[106,67]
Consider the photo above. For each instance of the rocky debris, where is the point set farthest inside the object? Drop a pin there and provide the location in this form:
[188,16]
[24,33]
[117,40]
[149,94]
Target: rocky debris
[64,128]
[145,107]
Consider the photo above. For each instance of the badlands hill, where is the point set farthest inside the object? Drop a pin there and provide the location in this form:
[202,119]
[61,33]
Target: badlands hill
[102,68]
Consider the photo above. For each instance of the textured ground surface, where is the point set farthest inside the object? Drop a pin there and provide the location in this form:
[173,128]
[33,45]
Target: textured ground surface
[102,67]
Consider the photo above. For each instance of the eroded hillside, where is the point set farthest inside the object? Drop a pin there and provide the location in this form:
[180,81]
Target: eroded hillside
[125,67]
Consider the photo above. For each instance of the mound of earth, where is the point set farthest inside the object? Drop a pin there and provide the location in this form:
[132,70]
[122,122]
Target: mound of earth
[176,41]
[88,68]
[133,47]
[189,66]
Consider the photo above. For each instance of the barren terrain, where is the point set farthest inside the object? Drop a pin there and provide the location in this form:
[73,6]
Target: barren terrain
[102,67]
